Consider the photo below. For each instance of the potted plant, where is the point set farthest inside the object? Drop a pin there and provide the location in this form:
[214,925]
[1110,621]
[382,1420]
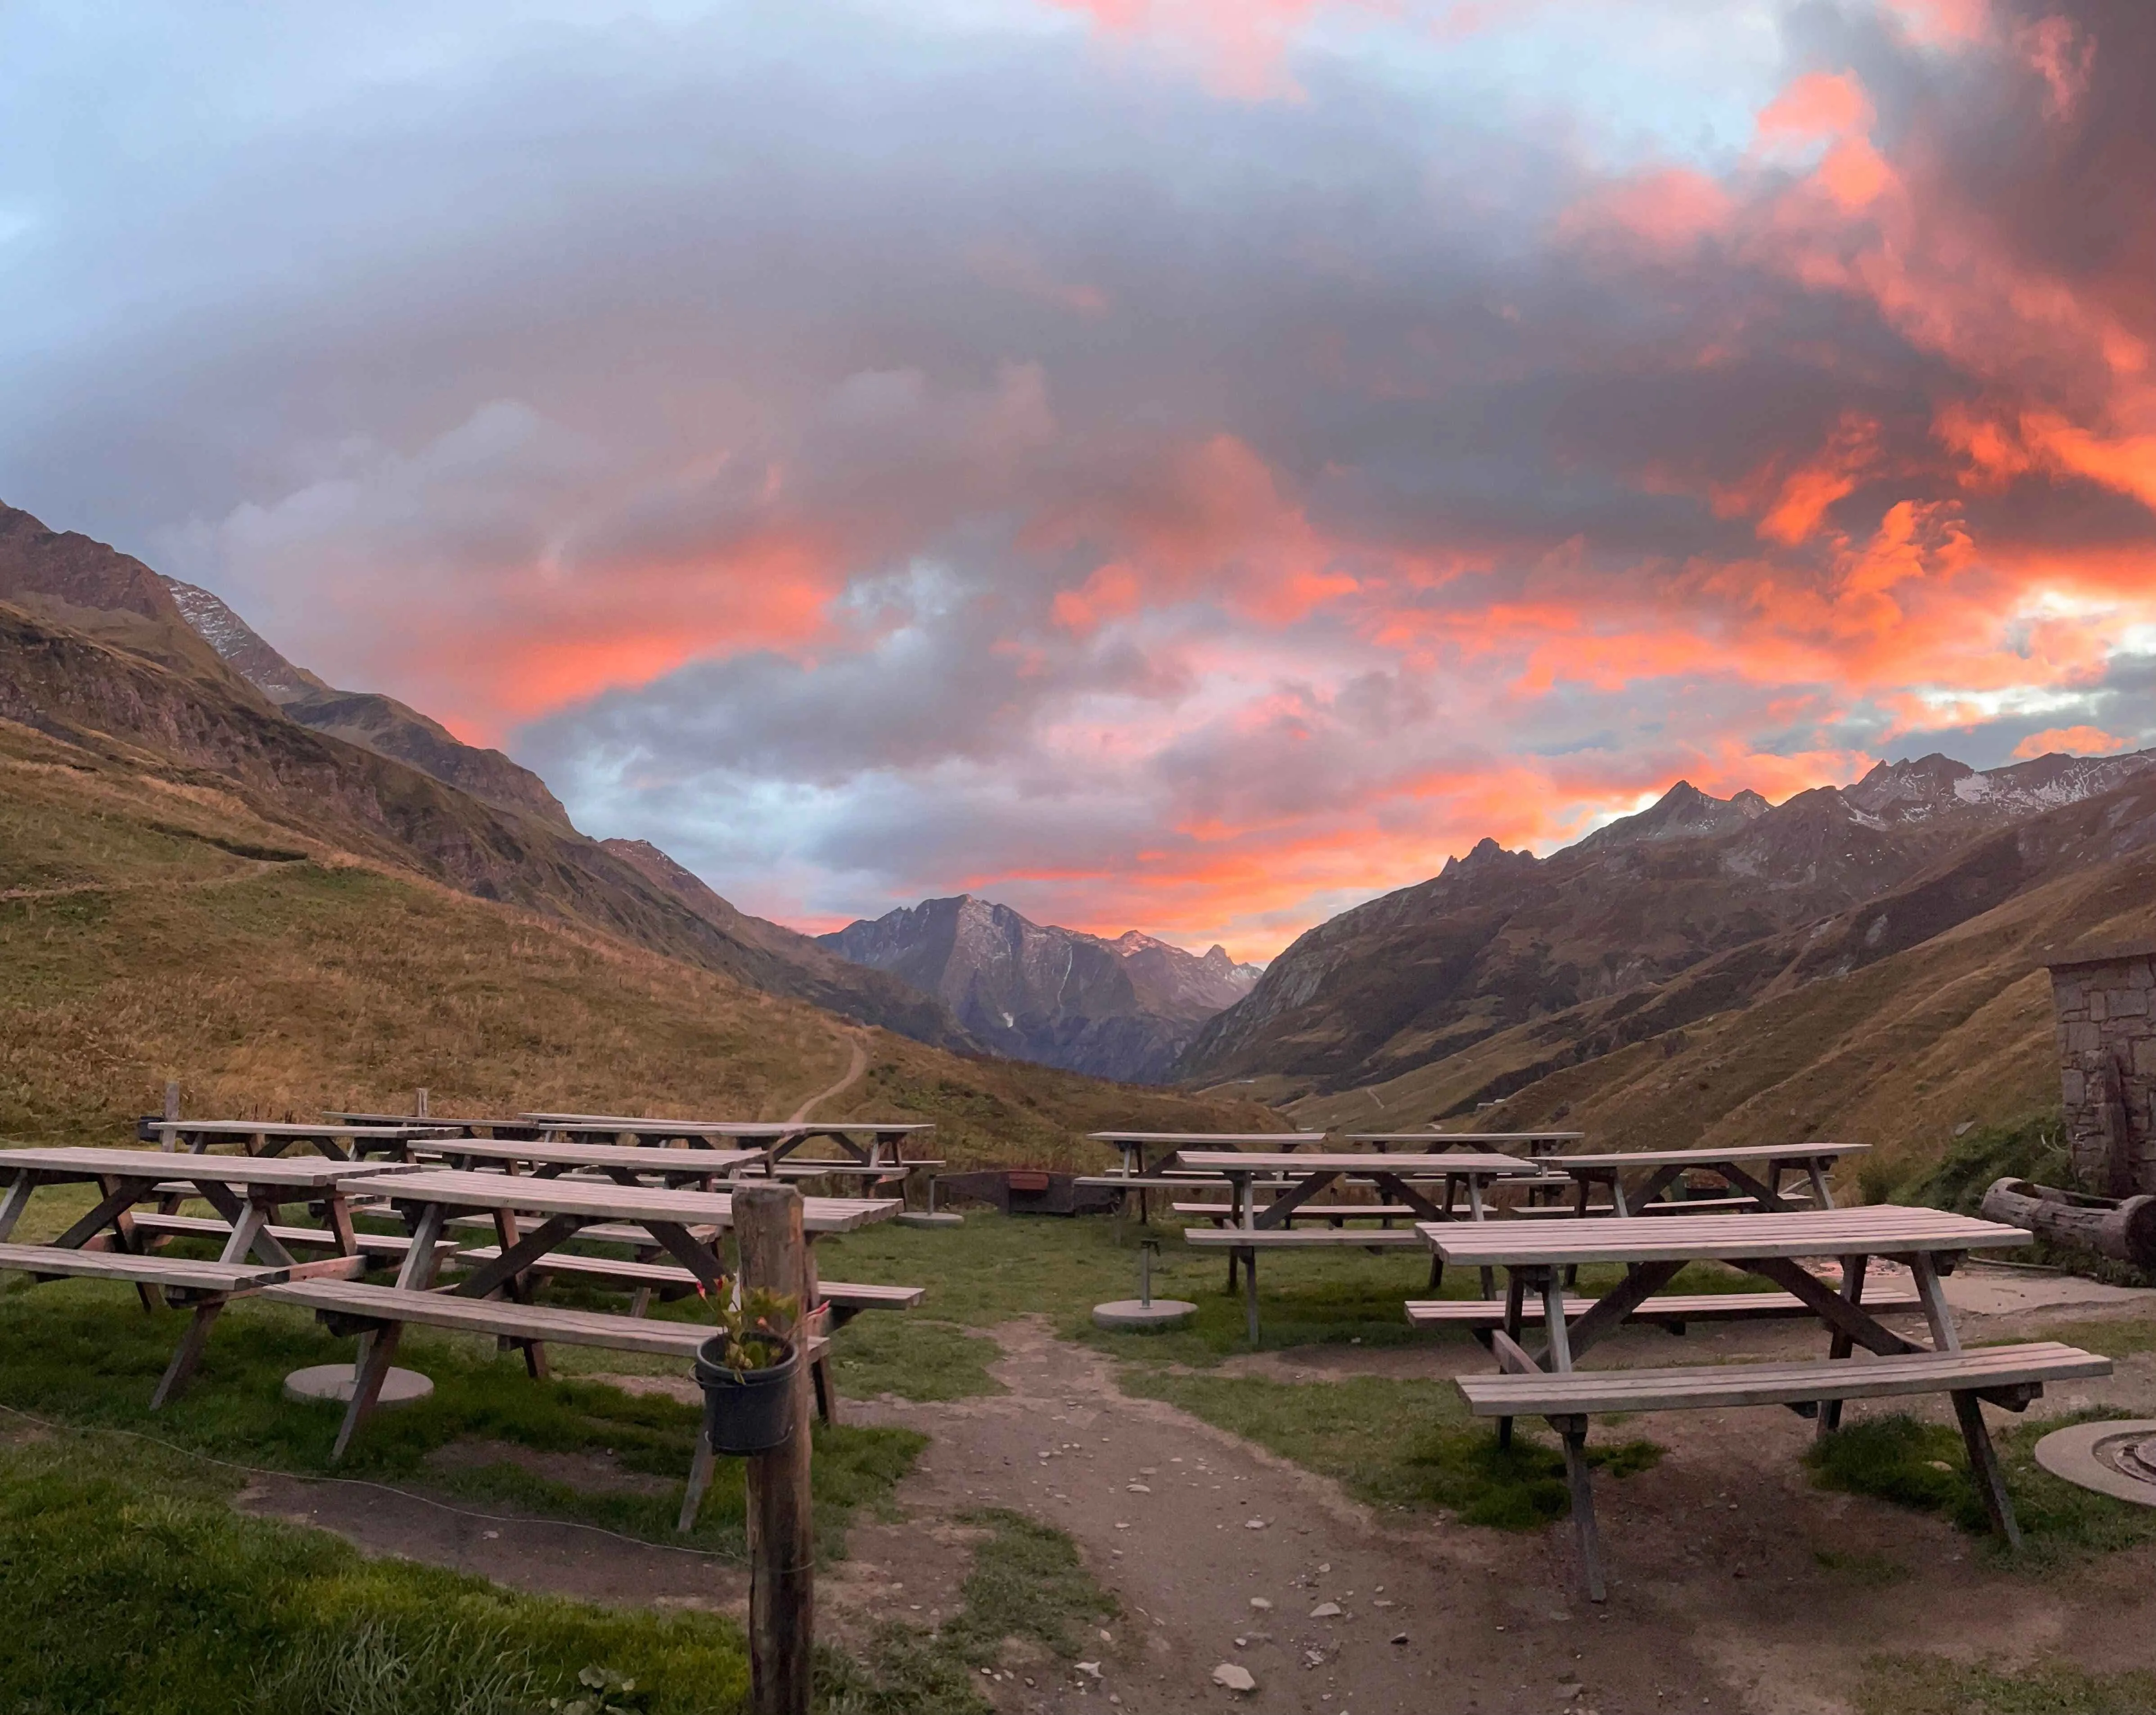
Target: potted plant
[747,1371]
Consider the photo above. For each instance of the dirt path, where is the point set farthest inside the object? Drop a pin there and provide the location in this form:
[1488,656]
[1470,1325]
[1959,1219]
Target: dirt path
[856,1070]
[1736,1585]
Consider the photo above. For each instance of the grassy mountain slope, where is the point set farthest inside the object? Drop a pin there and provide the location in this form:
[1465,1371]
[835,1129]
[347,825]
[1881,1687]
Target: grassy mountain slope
[1891,1024]
[158,921]
[212,726]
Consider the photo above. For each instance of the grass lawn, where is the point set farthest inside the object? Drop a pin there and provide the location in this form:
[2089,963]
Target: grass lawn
[132,1588]
[84,1351]
[1927,1685]
[1901,1459]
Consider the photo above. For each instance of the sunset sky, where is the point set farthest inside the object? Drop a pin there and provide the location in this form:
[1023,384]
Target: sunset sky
[1164,463]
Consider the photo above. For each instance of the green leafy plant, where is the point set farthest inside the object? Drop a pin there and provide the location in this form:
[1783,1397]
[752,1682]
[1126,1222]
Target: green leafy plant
[756,1328]
[606,1693]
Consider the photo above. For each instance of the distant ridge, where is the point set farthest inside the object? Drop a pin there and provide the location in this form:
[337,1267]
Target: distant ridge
[1121,1009]
[1498,939]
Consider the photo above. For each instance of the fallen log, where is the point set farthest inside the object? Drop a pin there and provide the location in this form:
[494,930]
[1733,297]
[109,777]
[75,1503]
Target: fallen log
[2124,1227]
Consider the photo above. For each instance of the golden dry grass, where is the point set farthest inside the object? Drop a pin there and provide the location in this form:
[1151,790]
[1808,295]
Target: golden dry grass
[1897,1054]
[151,929]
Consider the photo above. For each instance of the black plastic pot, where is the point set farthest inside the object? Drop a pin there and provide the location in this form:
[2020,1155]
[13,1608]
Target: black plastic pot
[747,1410]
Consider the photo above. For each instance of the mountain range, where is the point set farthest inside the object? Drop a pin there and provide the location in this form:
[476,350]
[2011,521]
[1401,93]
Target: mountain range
[1124,1008]
[97,649]
[192,676]
[1868,955]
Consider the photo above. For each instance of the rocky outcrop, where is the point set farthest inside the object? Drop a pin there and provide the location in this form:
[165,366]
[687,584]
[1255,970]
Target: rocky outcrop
[1122,1009]
[380,723]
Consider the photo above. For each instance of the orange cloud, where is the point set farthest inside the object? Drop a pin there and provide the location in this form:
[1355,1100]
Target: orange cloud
[1818,104]
[2083,741]
[1805,494]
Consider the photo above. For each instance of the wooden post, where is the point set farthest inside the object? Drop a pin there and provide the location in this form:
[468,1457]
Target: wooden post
[781,1599]
[420,1102]
[172,1110]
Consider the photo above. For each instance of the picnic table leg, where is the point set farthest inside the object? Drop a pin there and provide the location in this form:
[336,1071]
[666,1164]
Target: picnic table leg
[1560,1345]
[519,1286]
[367,1384]
[189,1353]
[1475,1212]
[415,1274]
[1250,1291]
[1516,1298]
[1822,1198]
[824,1385]
[17,1200]
[1574,1432]
[1852,1289]
[1983,1466]
[699,1479]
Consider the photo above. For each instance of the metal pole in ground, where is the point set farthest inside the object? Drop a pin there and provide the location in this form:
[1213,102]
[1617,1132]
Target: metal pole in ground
[781,1600]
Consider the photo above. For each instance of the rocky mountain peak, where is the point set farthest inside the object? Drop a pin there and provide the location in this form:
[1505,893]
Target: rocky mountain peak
[242,648]
[1485,857]
[1120,1009]
[1684,812]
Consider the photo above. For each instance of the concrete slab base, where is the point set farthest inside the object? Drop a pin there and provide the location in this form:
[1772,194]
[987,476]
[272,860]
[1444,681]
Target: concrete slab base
[922,1217]
[1132,1314]
[333,1381]
[2101,1457]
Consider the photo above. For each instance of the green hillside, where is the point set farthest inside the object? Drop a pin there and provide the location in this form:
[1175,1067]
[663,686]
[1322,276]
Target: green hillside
[154,924]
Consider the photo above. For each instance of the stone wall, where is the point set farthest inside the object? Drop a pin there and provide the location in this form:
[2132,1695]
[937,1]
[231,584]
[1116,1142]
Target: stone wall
[2105,1004]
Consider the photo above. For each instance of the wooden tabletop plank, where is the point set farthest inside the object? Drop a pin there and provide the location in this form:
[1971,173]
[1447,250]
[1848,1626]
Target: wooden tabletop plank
[730,1128]
[1199,1139]
[341,1129]
[697,1162]
[1735,1155]
[1879,1230]
[1299,1238]
[599,1201]
[1446,1140]
[307,1173]
[1428,1165]
[154,1270]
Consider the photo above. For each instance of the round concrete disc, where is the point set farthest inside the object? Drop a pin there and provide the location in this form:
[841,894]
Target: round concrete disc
[2077,1453]
[921,1218]
[333,1381]
[1128,1314]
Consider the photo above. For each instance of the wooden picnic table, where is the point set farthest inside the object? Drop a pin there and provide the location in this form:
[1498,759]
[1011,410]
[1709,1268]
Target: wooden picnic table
[1928,1242]
[781,1137]
[1398,1177]
[1751,1171]
[426,1198]
[1135,1175]
[337,1140]
[625,1164]
[1133,1146]
[246,1191]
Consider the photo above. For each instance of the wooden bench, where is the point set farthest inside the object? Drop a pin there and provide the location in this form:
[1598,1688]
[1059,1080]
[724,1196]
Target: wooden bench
[846,1299]
[2009,1376]
[1288,1238]
[389,1246]
[1668,1310]
[203,1286]
[353,1307]
[1220,1213]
